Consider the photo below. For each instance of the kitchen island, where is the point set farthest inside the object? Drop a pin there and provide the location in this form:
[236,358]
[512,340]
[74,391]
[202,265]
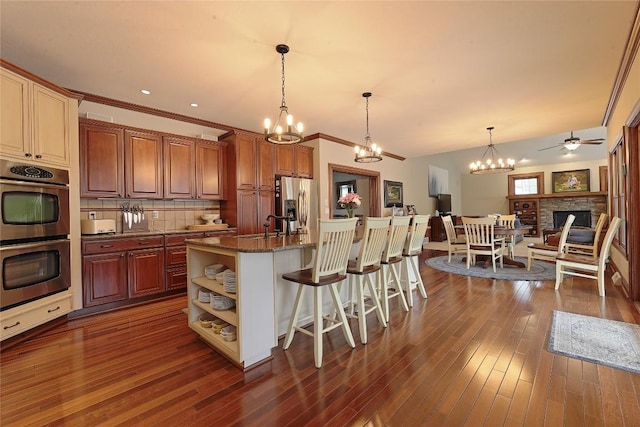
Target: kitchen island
[263,300]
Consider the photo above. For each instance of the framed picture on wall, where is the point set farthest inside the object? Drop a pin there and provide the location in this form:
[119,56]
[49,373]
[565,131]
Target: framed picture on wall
[392,194]
[570,181]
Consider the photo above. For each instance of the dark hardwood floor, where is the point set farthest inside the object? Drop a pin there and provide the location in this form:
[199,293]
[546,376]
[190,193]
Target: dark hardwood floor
[474,353]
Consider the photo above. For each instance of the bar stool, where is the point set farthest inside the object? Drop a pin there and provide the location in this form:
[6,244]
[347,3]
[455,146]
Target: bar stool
[335,238]
[412,249]
[391,259]
[360,271]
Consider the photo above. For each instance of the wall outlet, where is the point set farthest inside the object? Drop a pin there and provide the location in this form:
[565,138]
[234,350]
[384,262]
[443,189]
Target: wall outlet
[155,215]
[616,278]
[92,215]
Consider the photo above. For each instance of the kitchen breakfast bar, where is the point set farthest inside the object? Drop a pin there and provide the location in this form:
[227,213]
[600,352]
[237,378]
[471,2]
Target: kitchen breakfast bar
[256,302]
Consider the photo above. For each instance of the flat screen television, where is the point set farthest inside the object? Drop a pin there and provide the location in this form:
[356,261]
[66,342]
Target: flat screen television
[444,203]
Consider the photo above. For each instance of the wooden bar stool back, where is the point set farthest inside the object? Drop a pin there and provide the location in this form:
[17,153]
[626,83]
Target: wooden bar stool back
[410,255]
[391,259]
[335,238]
[361,270]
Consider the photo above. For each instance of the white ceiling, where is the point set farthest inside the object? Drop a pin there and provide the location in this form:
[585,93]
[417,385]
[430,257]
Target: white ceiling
[440,72]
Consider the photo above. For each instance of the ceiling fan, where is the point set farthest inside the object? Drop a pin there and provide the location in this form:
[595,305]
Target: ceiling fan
[573,142]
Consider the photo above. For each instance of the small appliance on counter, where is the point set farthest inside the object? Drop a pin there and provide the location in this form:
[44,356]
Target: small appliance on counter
[97,226]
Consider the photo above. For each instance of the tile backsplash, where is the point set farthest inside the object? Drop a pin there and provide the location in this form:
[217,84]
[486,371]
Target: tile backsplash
[172,214]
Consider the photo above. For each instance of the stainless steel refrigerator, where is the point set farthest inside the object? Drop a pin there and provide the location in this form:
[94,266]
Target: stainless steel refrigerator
[297,199]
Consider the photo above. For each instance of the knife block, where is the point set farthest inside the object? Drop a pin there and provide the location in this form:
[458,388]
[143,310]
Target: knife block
[135,227]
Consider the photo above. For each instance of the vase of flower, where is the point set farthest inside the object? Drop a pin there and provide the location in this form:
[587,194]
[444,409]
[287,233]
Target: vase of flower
[350,202]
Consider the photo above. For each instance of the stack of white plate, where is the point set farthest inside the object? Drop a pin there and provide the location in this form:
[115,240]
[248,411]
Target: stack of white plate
[220,302]
[220,276]
[228,333]
[211,270]
[204,295]
[229,281]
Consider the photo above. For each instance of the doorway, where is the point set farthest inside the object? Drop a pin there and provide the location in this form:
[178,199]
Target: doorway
[364,182]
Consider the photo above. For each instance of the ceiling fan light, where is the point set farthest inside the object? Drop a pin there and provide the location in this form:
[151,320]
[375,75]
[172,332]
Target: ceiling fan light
[571,146]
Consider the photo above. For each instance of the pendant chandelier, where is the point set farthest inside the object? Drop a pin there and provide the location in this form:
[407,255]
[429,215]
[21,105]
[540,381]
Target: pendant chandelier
[369,152]
[283,131]
[491,161]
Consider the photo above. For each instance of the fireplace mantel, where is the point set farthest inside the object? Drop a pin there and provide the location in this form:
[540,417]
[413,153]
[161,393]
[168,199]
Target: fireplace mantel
[560,195]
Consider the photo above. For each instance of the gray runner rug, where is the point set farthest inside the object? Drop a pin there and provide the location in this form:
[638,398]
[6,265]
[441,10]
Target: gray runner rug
[539,270]
[607,342]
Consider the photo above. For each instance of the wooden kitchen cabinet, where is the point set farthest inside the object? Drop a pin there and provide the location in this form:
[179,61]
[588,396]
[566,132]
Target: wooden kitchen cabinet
[250,182]
[143,165]
[101,160]
[176,259]
[145,272]
[210,170]
[179,168]
[118,269]
[294,160]
[36,121]
[104,278]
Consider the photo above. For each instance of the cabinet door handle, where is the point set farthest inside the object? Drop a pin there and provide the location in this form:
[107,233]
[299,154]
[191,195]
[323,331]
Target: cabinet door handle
[106,246]
[28,154]
[38,156]
[12,326]
[55,309]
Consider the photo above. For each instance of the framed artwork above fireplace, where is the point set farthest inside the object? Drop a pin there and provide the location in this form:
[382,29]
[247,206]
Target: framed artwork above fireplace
[570,181]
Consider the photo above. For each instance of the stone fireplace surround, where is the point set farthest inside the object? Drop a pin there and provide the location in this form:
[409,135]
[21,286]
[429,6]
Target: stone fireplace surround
[596,204]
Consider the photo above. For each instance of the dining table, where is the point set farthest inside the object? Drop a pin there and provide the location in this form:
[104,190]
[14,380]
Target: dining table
[500,231]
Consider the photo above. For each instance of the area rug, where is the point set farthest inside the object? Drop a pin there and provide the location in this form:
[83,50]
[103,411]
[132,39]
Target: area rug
[607,342]
[539,270]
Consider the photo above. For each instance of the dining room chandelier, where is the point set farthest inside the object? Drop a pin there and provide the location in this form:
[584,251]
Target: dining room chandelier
[283,131]
[369,152]
[491,160]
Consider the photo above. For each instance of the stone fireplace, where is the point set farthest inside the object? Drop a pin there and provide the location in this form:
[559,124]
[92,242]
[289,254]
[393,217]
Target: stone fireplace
[593,204]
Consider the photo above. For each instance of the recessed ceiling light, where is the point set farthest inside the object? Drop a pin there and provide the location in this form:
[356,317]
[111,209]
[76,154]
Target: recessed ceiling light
[193,104]
[146,92]
[524,160]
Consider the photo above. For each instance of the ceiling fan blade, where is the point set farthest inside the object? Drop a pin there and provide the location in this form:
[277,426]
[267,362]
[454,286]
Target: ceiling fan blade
[591,142]
[549,148]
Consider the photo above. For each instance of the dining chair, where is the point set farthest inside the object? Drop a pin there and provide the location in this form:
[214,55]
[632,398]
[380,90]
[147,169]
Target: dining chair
[586,249]
[509,221]
[455,243]
[362,269]
[586,265]
[482,241]
[391,259]
[335,238]
[546,252]
[410,256]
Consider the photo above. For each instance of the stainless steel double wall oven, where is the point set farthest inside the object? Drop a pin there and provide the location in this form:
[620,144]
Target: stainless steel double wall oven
[34,232]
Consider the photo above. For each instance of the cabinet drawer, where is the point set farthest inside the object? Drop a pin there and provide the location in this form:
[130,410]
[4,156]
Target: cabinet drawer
[34,314]
[176,255]
[119,245]
[176,278]
[178,239]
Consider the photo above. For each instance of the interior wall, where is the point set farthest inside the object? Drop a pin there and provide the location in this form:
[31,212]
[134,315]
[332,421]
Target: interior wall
[626,105]
[482,194]
[419,191]
[329,152]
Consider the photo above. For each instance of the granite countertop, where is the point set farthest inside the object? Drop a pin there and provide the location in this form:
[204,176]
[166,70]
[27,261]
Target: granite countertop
[254,243]
[257,243]
[150,233]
